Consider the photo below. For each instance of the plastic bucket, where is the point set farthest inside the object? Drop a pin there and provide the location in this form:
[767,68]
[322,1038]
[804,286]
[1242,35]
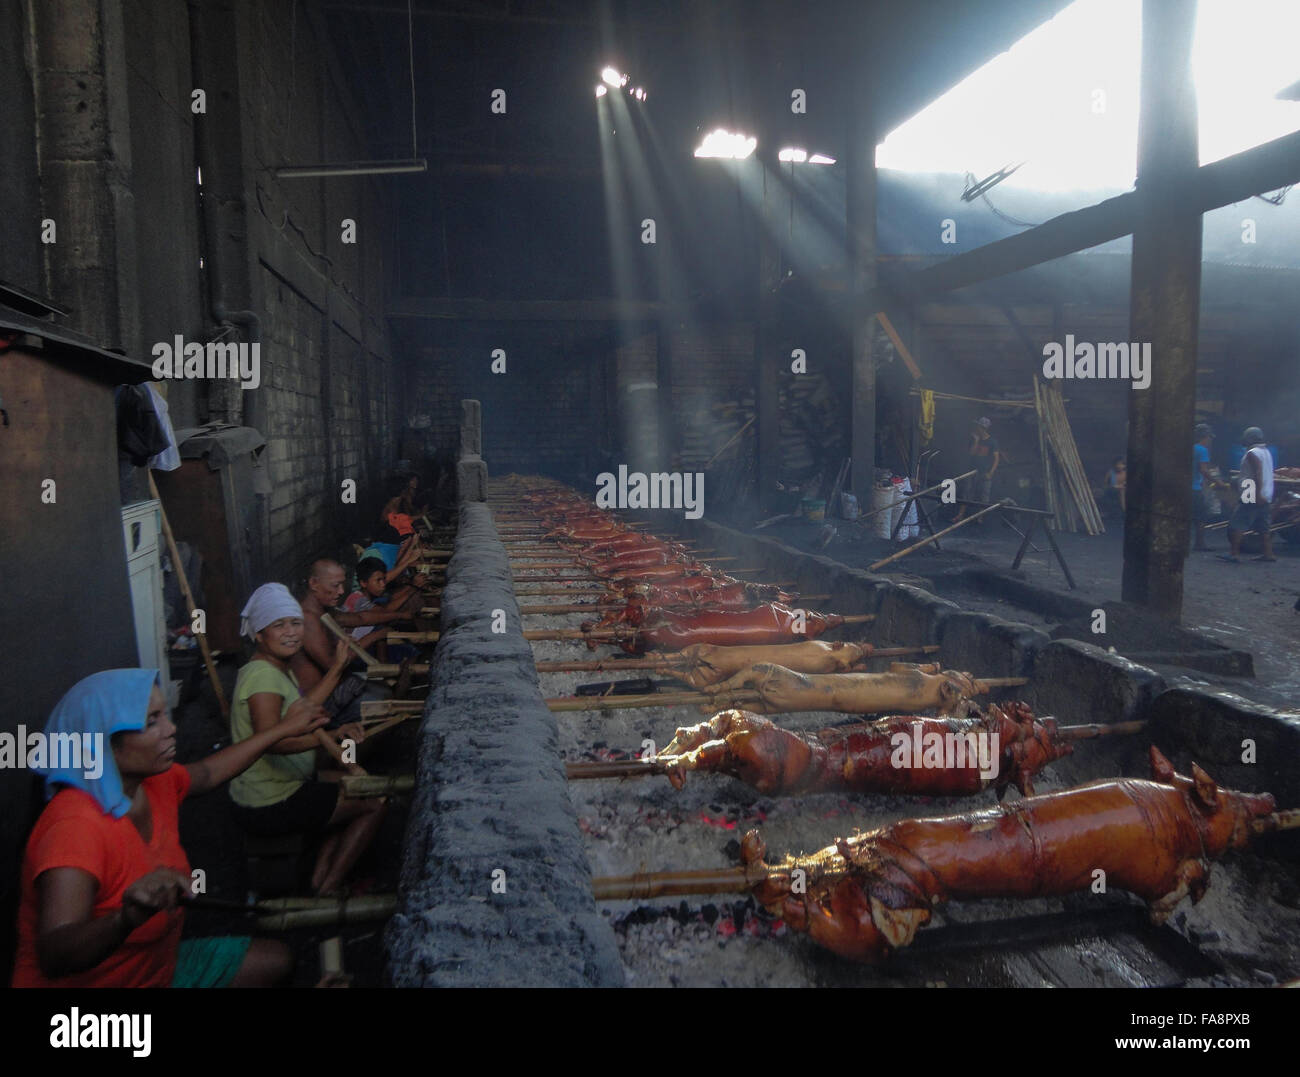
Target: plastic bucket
[813,508]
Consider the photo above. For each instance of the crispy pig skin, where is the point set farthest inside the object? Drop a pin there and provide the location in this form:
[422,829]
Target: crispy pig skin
[860,758]
[866,896]
[907,690]
[710,664]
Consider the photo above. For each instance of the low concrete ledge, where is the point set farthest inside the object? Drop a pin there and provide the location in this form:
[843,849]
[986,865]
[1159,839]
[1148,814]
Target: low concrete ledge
[1209,726]
[491,794]
[1081,684]
[989,645]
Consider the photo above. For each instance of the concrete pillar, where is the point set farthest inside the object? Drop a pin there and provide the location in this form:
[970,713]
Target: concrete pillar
[471,471]
[1164,310]
[84,161]
[860,164]
[471,427]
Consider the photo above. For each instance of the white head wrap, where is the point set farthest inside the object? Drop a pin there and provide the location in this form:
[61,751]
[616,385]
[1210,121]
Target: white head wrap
[265,606]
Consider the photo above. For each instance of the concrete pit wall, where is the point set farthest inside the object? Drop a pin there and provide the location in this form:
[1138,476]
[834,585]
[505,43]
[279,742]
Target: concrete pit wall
[1074,681]
[491,794]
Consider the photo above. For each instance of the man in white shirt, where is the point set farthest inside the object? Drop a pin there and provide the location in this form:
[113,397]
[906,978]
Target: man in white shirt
[1257,470]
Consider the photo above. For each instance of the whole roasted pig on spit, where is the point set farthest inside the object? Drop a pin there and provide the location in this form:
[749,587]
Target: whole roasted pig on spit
[866,896]
[994,747]
[706,664]
[766,624]
[904,689]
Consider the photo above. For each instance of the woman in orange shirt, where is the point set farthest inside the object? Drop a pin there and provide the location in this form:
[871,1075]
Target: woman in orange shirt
[104,871]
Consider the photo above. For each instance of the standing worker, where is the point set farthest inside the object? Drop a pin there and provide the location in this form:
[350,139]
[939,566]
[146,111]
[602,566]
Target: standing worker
[1204,480]
[1257,483]
[983,456]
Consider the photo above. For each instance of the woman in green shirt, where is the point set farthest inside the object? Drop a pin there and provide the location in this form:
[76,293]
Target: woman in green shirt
[284,792]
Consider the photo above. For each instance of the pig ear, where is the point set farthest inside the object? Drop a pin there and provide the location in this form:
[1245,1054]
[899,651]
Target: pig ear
[1161,769]
[1205,789]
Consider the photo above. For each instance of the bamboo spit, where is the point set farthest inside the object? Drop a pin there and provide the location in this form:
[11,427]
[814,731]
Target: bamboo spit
[383,670]
[644,768]
[939,534]
[356,648]
[671,662]
[280,914]
[597,635]
[722,700]
[376,785]
[912,497]
[606,588]
[596,607]
[653,884]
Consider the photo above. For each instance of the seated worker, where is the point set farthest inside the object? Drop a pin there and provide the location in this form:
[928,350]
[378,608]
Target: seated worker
[283,793]
[372,581]
[396,559]
[104,870]
[324,590]
[404,502]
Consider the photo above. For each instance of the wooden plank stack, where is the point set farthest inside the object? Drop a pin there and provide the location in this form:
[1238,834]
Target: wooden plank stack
[1069,494]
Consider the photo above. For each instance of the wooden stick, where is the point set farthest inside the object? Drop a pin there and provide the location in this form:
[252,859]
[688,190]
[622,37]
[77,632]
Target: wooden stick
[670,884]
[366,657]
[190,606]
[734,438]
[596,607]
[1087,732]
[414,637]
[383,708]
[385,671]
[644,768]
[281,914]
[937,535]
[912,497]
[721,700]
[376,785]
[335,752]
[1279,820]
[671,662]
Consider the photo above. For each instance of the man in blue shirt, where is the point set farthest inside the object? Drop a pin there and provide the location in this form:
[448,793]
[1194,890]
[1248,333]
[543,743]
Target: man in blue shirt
[1202,479]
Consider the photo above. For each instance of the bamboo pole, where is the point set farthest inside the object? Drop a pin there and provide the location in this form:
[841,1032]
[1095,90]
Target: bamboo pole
[414,637]
[676,662]
[912,497]
[596,607]
[208,661]
[670,884]
[721,700]
[376,785]
[384,708]
[645,768]
[366,657]
[937,535]
[387,671]
[282,914]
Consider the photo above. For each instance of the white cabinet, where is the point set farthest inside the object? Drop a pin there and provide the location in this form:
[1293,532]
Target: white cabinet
[141,534]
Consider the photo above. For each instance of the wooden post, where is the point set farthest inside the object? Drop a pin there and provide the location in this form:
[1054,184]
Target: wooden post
[860,164]
[1164,311]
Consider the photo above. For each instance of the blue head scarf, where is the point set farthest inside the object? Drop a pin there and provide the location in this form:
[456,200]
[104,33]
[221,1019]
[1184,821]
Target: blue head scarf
[102,704]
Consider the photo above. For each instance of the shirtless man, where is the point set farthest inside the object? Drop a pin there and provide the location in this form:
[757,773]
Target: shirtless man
[324,590]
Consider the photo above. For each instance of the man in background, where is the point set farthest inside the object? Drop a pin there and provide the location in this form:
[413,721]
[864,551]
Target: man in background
[983,457]
[1256,480]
